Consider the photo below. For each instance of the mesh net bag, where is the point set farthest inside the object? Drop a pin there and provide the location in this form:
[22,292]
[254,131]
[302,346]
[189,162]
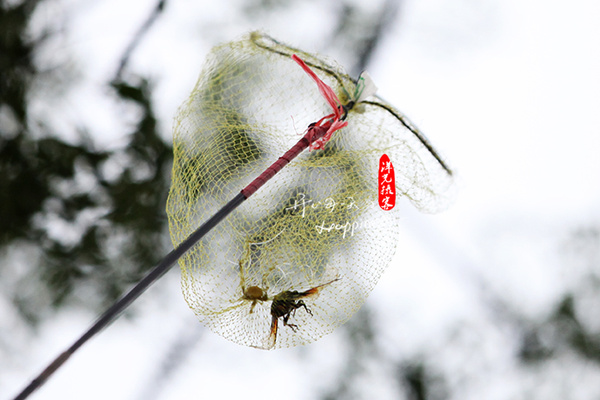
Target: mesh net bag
[299,257]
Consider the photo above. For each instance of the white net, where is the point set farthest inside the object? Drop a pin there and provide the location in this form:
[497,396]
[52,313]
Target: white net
[299,257]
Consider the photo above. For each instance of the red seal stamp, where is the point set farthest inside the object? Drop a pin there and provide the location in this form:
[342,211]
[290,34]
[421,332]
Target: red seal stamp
[387,184]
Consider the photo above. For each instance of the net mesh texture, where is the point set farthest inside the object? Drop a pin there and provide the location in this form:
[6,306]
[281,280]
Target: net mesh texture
[300,256]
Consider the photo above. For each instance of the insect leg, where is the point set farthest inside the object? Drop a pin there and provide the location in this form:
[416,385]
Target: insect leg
[301,303]
[286,317]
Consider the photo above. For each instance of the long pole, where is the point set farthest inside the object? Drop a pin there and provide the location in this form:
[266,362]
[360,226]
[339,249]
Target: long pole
[314,133]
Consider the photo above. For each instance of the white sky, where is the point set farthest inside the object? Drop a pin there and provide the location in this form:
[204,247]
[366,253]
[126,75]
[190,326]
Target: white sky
[508,91]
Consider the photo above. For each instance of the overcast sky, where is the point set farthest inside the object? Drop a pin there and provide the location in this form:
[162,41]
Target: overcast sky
[508,91]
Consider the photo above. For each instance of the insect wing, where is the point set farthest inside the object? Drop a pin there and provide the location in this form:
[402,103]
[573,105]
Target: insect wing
[273,332]
[315,290]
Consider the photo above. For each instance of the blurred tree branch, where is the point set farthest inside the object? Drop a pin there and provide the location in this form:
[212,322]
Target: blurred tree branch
[360,32]
[39,183]
[120,222]
[156,12]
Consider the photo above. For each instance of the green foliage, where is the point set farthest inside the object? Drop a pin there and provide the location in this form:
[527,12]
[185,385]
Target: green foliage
[39,186]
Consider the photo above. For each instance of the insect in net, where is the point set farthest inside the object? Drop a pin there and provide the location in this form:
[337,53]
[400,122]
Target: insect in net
[299,257]
[310,240]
